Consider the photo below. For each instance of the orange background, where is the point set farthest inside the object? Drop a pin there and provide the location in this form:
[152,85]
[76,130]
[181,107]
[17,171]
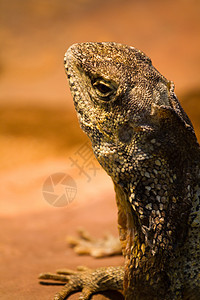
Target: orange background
[40,132]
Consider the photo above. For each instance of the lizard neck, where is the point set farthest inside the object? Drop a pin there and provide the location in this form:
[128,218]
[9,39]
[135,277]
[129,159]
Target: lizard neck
[184,268]
[141,266]
[153,215]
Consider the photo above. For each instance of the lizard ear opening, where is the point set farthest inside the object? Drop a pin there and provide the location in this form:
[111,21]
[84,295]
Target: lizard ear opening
[171,119]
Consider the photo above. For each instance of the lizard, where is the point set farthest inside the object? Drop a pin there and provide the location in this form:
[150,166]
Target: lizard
[146,143]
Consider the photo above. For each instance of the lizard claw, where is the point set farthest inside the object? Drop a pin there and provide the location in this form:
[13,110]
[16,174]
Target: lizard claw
[85,244]
[85,295]
[86,281]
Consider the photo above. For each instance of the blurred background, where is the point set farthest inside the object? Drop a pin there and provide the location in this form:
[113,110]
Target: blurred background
[39,132]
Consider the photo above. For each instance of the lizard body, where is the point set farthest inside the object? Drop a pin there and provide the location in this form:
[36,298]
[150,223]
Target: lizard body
[145,141]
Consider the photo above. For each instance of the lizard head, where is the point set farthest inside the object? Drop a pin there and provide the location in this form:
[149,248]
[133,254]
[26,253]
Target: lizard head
[120,99]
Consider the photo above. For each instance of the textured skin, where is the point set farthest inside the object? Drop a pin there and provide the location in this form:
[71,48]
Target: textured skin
[88,281]
[145,141]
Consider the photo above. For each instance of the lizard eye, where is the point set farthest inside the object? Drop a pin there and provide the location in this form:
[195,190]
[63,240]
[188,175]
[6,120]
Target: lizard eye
[103,88]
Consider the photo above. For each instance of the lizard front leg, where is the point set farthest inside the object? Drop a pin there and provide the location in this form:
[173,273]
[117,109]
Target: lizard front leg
[87,281]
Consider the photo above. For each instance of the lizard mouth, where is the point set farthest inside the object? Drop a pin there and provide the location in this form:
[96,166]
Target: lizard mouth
[80,94]
[77,87]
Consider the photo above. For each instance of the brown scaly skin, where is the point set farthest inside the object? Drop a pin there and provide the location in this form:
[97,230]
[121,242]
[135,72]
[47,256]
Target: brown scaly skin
[145,141]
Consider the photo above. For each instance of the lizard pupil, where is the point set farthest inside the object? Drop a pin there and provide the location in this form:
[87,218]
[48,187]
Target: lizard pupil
[104,89]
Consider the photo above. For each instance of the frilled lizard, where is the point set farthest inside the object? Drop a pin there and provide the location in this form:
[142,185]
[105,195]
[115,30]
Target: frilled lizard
[145,141]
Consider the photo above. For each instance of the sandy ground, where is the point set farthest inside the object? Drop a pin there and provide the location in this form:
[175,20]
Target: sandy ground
[39,132]
[33,232]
